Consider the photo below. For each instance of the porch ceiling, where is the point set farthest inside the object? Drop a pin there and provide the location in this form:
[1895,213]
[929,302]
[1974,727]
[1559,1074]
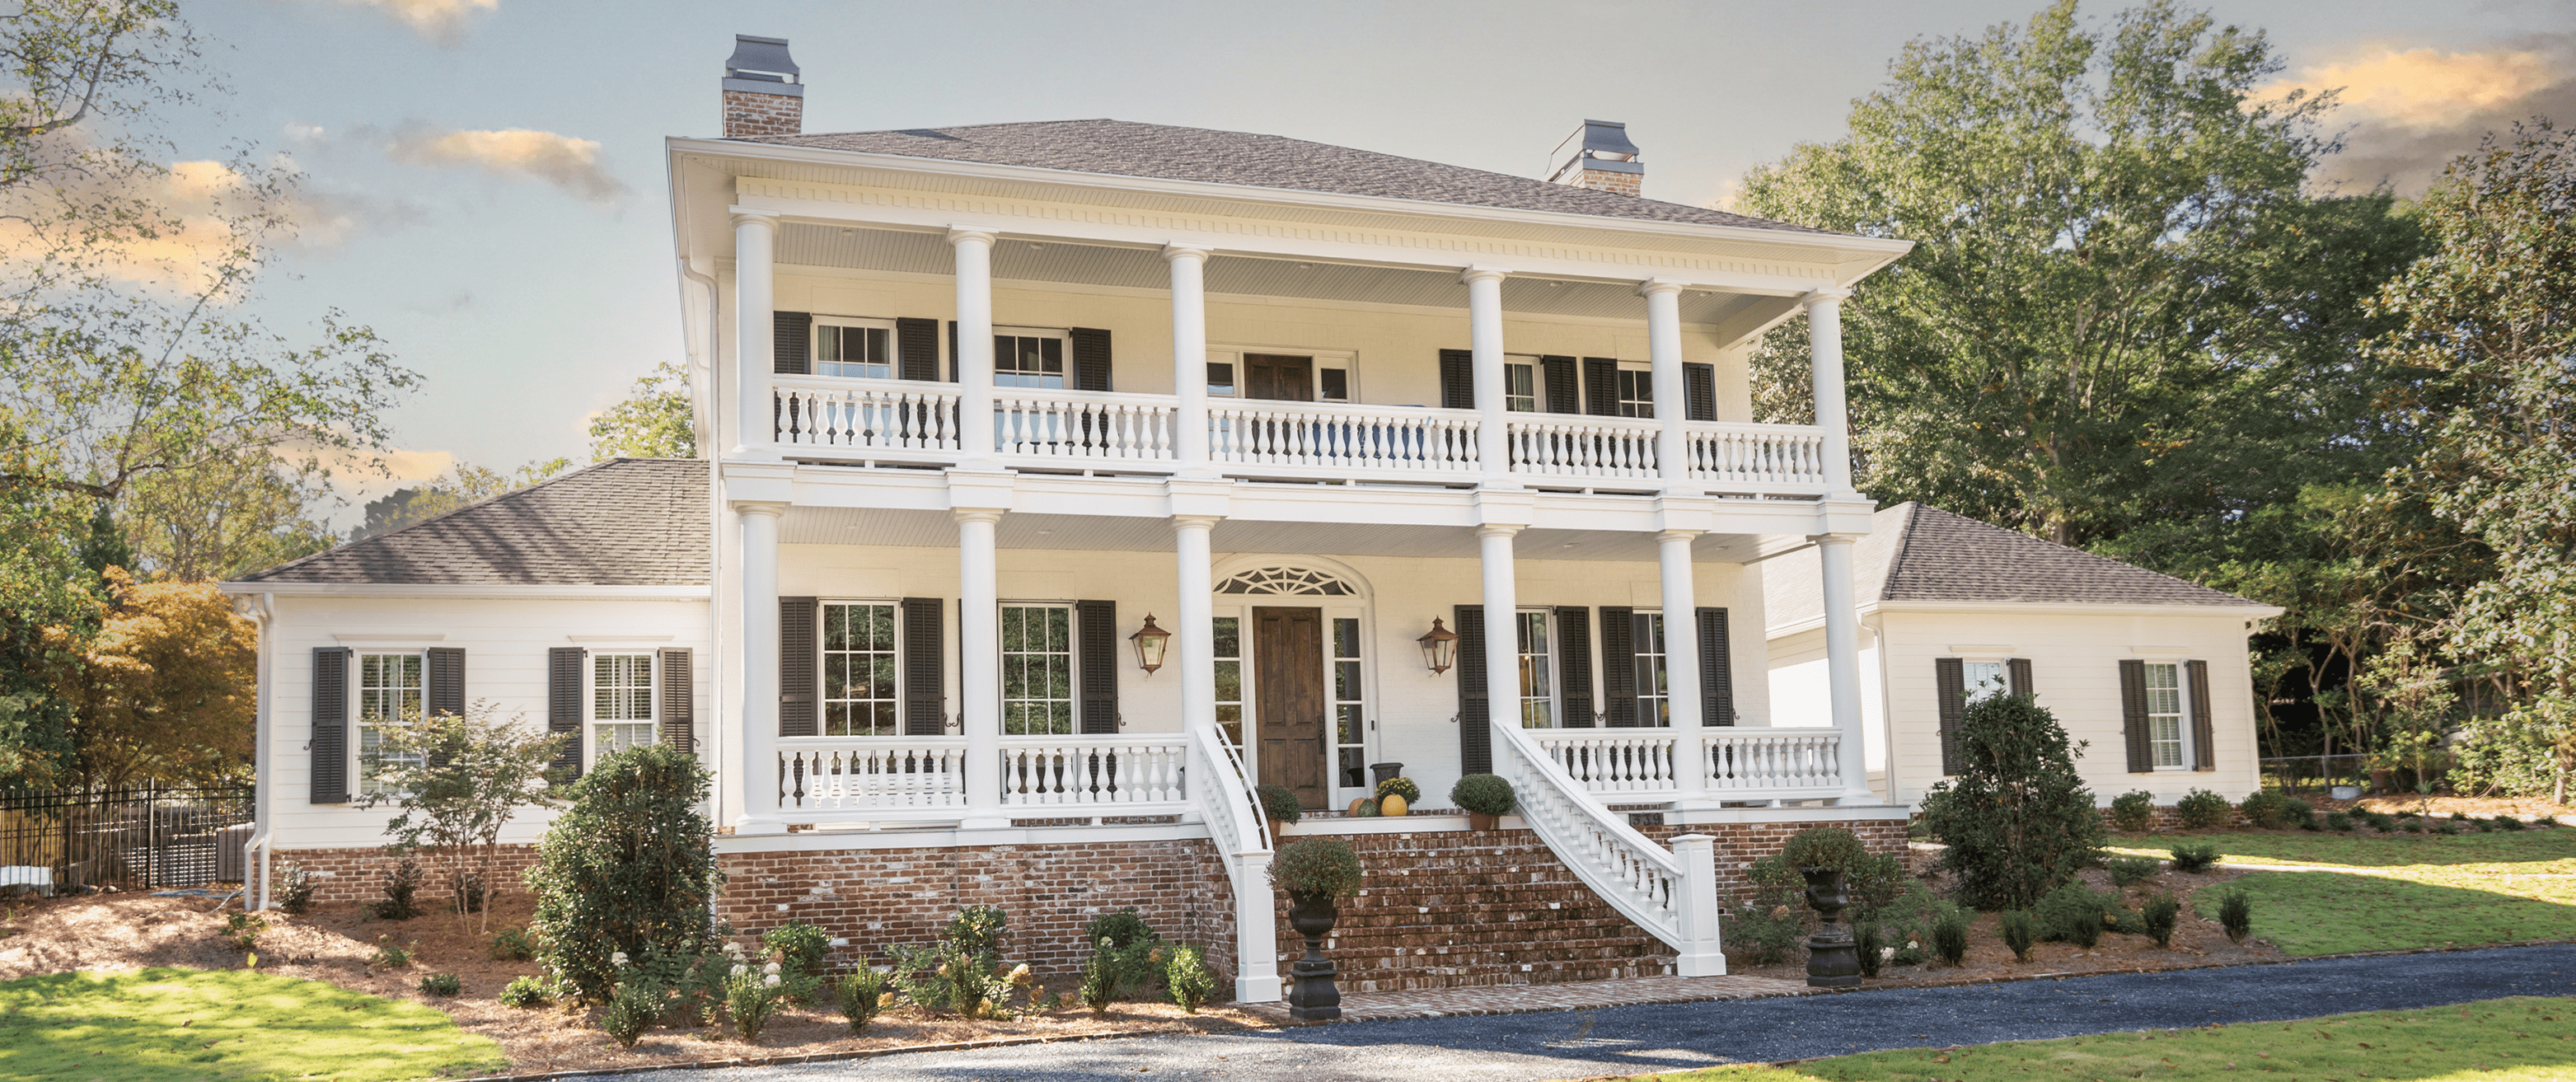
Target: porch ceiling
[813,245]
[805,525]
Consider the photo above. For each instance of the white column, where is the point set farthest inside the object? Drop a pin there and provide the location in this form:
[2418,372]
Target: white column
[759,713]
[1842,662]
[1825,348]
[1672,392]
[1485,340]
[979,667]
[1189,358]
[1681,661]
[1502,636]
[755,335]
[975,345]
[1197,634]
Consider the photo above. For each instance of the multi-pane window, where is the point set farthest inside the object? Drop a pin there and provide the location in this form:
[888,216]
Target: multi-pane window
[866,352]
[1520,386]
[621,702]
[1984,679]
[1229,676]
[859,670]
[1636,392]
[1037,670]
[1350,730]
[389,687]
[1538,671]
[1028,360]
[1654,692]
[2164,714]
[1220,378]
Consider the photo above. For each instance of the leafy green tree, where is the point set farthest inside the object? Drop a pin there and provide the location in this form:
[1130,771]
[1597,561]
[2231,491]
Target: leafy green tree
[630,867]
[654,420]
[459,780]
[2017,817]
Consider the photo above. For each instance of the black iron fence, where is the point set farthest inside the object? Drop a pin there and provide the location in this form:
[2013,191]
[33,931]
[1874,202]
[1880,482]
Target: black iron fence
[148,837]
[2300,772]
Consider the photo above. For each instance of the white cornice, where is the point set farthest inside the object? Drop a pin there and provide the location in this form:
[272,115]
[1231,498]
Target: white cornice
[495,591]
[2245,611]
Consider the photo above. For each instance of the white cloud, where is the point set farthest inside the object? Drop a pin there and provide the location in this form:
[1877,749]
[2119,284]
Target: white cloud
[561,160]
[441,21]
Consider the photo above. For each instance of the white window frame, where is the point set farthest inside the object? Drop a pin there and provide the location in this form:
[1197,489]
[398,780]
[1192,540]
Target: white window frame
[1365,718]
[1651,693]
[1072,654]
[1231,354]
[366,726]
[1064,343]
[823,658]
[1982,678]
[894,345]
[1644,370]
[1537,396]
[595,742]
[1553,696]
[2181,742]
[1241,659]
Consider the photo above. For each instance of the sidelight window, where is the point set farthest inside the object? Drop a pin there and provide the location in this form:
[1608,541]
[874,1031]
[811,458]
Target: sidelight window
[1229,677]
[1350,726]
[1538,670]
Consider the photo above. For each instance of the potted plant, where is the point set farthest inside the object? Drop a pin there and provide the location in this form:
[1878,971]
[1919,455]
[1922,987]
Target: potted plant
[1279,805]
[1487,798]
[1315,872]
[1397,795]
[1822,855]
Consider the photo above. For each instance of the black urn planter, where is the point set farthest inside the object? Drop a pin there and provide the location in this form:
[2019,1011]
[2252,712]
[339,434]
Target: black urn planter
[1312,996]
[1832,961]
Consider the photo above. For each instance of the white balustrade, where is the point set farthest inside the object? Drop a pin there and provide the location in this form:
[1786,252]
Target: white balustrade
[1762,455]
[1774,763]
[1575,445]
[1613,760]
[1392,439]
[1241,832]
[1091,771]
[883,416]
[1084,425]
[1650,885]
[873,774]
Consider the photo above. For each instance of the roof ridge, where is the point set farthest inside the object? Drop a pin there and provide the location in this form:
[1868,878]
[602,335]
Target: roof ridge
[443,515]
[2095,557]
[1904,542]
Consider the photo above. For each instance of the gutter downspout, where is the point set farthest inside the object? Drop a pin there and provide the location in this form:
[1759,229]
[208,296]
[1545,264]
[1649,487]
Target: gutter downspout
[713,750]
[1876,622]
[263,614]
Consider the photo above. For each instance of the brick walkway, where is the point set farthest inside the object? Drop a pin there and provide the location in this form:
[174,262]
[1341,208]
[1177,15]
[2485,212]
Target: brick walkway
[1522,998]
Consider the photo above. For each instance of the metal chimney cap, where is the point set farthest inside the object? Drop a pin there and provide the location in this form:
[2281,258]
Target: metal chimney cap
[1602,139]
[1599,145]
[761,60]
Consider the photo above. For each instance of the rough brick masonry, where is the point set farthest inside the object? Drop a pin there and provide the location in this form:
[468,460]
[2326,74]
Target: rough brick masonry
[748,114]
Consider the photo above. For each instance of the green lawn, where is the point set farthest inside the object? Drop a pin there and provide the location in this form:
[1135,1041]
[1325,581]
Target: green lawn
[187,1024]
[2501,1040]
[2403,890]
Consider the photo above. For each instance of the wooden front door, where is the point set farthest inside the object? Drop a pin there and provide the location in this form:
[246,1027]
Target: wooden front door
[1288,700]
[1284,379]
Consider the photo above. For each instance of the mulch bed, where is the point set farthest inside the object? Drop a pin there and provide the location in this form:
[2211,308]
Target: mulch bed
[334,943]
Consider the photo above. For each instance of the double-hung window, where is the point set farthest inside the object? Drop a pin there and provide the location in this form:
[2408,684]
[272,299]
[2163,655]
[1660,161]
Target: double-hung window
[1029,358]
[1984,679]
[859,670]
[1037,670]
[1538,670]
[863,348]
[621,702]
[389,690]
[1520,384]
[1654,690]
[1636,389]
[2165,741]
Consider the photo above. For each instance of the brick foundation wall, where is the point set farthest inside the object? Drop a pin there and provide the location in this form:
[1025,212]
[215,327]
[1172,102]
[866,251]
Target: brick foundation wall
[358,875]
[747,113]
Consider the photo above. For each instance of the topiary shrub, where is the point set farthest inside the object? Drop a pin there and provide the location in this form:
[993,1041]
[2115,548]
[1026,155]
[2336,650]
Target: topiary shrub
[2134,812]
[1871,945]
[2201,809]
[1824,847]
[1484,794]
[2236,915]
[2017,818]
[628,867]
[1950,938]
[1280,802]
[1317,866]
[2159,916]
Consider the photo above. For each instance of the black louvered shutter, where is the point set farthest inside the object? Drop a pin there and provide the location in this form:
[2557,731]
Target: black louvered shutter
[330,744]
[1601,386]
[1619,666]
[1574,666]
[2017,676]
[925,666]
[2133,717]
[563,710]
[1095,657]
[1090,359]
[2204,732]
[1475,736]
[1716,669]
[916,348]
[446,680]
[1699,392]
[1564,387]
[679,699]
[1950,691]
[952,351]
[791,343]
[1457,379]
[798,708]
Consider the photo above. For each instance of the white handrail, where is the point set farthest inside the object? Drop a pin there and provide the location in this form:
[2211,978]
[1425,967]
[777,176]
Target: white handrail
[1398,439]
[866,415]
[1774,761]
[1091,771]
[878,774]
[1084,425]
[1613,760]
[1755,454]
[1671,895]
[1242,834]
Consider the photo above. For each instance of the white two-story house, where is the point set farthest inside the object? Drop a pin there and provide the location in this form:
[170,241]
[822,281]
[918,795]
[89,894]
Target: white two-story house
[1064,481]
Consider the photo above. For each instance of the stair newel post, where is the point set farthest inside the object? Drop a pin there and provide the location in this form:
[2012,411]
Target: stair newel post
[1695,902]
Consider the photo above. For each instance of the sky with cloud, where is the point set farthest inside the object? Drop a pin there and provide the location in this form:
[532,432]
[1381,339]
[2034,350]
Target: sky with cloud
[485,176]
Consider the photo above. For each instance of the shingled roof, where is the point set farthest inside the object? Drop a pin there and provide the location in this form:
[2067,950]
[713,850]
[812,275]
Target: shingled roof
[624,522]
[1919,553]
[1164,152]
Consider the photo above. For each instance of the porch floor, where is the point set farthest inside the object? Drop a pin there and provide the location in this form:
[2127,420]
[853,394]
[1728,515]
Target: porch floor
[1526,998]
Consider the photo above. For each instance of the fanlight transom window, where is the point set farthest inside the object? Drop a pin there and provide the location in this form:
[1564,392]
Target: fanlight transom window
[1291,581]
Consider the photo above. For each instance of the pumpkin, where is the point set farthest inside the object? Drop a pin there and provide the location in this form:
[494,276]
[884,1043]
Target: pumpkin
[1391,804]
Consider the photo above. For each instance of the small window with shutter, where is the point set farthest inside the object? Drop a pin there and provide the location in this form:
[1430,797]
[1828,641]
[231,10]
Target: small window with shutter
[389,687]
[622,702]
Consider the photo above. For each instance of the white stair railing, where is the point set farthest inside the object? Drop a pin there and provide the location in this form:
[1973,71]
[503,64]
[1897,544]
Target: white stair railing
[1242,835]
[1671,893]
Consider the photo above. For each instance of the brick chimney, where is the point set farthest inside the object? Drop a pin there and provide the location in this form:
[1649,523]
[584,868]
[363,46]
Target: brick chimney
[1598,156]
[761,93]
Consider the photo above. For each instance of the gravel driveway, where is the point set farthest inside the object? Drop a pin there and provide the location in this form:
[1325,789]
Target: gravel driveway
[1664,1037]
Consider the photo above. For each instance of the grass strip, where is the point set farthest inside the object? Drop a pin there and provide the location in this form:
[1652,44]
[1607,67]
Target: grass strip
[185,1025]
[2522,1039]
[2311,913]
